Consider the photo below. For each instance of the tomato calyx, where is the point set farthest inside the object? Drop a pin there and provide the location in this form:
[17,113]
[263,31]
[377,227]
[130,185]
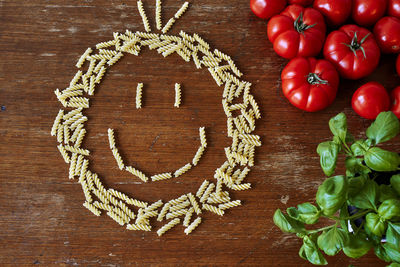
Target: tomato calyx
[313,78]
[355,44]
[300,26]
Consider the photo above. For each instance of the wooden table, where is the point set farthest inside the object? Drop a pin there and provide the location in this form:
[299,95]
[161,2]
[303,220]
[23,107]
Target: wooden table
[42,219]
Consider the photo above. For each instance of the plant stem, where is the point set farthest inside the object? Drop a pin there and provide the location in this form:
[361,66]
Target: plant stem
[354,216]
[322,229]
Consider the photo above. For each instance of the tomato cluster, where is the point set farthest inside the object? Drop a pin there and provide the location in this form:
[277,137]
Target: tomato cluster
[298,31]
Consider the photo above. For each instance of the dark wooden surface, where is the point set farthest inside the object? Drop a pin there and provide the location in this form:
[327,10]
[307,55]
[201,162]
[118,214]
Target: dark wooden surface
[42,220]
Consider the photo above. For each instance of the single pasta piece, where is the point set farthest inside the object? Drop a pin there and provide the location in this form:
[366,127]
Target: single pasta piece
[92,208]
[254,104]
[182,170]
[86,191]
[227,110]
[192,226]
[154,206]
[198,155]
[168,26]
[202,188]
[64,153]
[81,151]
[250,139]
[78,166]
[203,139]
[111,138]
[139,227]
[194,203]
[196,59]
[163,212]
[137,173]
[229,205]
[162,176]
[72,165]
[139,89]
[137,203]
[79,139]
[118,158]
[226,88]
[168,226]
[175,214]
[241,186]
[76,78]
[83,57]
[177,200]
[144,16]
[60,133]
[207,192]
[72,113]
[181,10]
[213,209]
[188,216]
[158,15]
[105,44]
[177,95]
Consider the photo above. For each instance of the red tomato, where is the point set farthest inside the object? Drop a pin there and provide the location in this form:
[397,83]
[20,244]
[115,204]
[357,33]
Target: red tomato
[398,65]
[370,99]
[395,95]
[267,8]
[387,34]
[297,31]
[300,2]
[336,12]
[310,84]
[353,50]
[394,8]
[368,12]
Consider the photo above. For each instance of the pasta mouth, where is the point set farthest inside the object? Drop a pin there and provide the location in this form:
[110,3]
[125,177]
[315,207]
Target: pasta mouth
[238,103]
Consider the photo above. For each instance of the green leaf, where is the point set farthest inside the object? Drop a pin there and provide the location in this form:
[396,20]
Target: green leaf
[363,197]
[393,234]
[287,224]
[389,208]
[393,264]
[332,194]
[359,148]
[338,126]
[380,251]
[386,192]
[392,252]
[357,246]
[355,166]
[395,183]
[382,160]
[333,240]
[305,212]
[375,224]
[344,213]
[328,153]
[311,252]
[385,127]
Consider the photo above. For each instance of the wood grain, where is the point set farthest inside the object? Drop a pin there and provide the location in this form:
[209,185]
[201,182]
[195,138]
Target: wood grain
[41,214]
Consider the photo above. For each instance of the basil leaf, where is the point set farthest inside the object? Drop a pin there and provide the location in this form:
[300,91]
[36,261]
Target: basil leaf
[393,235]
[357,246]
[332,194]
[380,251]
[359,148]
[355,166]
[332,241]
[328,153]
[394,264]
[338,126]
[363,197]
[286,223]
[386,192]
[382,160]
[385,127]
[375,224]
[305,212]
[392,252]
[389,208]
[312,253]
[395,183]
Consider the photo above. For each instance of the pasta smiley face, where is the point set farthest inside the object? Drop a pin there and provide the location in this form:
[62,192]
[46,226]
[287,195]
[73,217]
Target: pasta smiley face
[237,102]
